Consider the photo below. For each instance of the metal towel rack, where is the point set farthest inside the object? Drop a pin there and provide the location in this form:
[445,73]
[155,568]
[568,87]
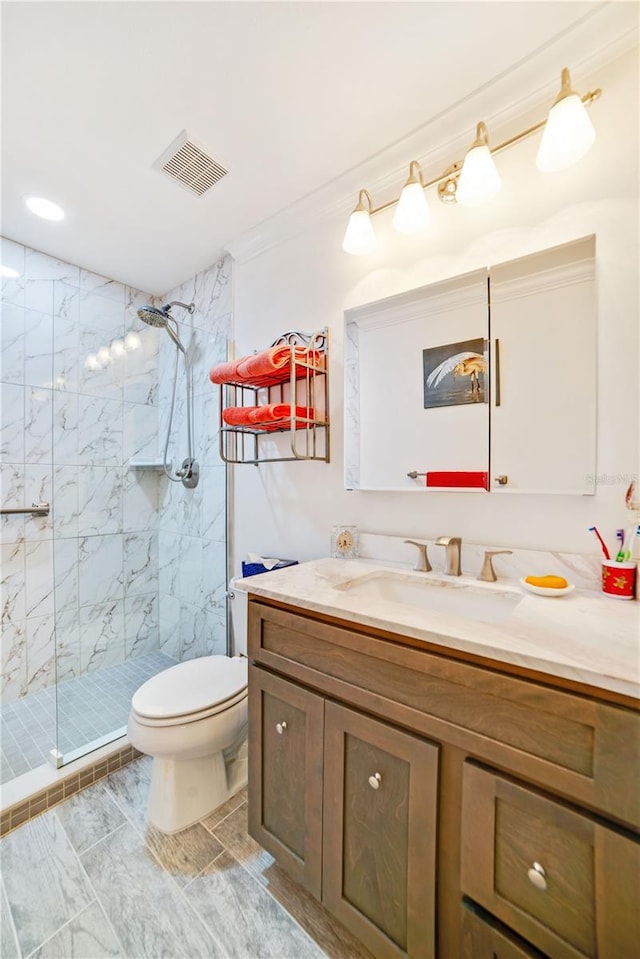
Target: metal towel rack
[36,509]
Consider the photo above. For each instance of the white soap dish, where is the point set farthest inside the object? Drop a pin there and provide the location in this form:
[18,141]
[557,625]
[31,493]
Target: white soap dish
[148,464]
[546,590]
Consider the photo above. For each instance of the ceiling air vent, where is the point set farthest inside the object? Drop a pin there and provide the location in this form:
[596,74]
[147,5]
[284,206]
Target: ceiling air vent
[186,162]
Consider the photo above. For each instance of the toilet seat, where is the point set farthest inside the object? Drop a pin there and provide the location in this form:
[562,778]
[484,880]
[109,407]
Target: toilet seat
[191,691]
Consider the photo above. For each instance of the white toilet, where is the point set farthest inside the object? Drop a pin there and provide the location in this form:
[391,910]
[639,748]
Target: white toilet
[192,719]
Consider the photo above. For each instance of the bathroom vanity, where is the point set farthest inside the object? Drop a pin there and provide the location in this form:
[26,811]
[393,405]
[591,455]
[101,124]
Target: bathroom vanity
[440,801]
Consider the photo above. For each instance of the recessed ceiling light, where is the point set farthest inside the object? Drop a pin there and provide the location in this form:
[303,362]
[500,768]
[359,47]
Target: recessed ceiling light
[8,272]
[44,208]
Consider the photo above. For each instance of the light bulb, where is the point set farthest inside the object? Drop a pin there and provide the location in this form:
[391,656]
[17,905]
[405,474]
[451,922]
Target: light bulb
[359,237]
[568,133]
[132,341]
[479,180]
[412,212]
[44,208]
[104,356]
[92,363]
[8,272]
[117,348]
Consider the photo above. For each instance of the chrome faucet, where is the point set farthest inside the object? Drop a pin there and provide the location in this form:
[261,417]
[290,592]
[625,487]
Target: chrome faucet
[422,562]
[453,546]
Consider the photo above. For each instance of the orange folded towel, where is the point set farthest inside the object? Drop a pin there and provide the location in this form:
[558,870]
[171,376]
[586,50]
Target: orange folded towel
[274,416]
[261,368]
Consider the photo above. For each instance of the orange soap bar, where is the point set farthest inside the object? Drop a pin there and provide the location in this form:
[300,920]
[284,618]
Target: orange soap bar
[547,582]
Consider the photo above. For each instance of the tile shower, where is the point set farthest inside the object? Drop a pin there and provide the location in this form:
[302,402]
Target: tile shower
[128,567]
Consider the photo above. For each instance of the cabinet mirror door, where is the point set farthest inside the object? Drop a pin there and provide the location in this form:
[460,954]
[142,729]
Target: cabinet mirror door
[482,381]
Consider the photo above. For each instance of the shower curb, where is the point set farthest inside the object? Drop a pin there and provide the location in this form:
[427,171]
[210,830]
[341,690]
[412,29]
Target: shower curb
[45,799]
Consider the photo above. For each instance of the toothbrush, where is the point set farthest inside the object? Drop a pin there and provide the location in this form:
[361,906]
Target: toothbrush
[620,538]
[627,549]
[594,529]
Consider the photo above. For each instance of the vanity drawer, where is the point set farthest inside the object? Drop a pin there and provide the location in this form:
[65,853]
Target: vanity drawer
[570,744]
[563,881]
[483,940]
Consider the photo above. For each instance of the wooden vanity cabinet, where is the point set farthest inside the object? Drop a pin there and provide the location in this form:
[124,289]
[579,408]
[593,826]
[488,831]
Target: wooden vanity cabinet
[443,808]
[286,732]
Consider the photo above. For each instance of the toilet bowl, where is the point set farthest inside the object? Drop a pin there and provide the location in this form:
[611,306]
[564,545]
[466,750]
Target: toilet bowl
[192,720]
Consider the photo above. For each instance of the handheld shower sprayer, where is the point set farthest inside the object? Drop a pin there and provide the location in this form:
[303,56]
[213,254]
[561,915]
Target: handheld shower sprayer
[160,317]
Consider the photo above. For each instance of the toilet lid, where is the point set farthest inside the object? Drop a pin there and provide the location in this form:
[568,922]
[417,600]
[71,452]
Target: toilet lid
[191,687]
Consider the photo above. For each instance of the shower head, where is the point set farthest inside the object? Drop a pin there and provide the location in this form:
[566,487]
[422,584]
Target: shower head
[153,316]
[160,316]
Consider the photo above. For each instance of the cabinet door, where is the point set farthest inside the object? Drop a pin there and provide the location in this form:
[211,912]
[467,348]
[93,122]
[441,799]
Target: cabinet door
[565,882]
[285,774]
[380,804]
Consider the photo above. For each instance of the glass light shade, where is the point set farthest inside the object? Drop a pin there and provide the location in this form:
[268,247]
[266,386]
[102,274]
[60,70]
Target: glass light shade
[44,208]
[412,212]
[117,348]
[132,341]
[479,180]
[359,237]
[568,134]
[92,362]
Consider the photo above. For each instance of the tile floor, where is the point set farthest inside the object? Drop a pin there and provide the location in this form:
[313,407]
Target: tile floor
[88,880]
[89,707]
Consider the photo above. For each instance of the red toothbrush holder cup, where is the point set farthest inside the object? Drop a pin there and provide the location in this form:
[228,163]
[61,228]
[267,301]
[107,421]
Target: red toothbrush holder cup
[619,579]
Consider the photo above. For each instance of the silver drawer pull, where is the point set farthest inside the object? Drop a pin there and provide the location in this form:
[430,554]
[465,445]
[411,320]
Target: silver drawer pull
[375,780]
[537,876]
[280,728]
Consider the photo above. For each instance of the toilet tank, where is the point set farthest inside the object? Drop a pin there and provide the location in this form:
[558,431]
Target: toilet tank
[238,610]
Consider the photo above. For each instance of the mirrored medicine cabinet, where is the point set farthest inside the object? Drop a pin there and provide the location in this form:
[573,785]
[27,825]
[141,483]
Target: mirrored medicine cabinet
[485,381]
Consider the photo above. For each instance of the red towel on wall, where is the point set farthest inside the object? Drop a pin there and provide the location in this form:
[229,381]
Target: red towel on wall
[274,416]
[260,369]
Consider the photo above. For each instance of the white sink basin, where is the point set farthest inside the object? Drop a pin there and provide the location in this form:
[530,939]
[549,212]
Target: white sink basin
[487,605]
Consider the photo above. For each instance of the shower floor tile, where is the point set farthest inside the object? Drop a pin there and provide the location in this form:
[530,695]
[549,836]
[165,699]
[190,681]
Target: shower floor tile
[89,707]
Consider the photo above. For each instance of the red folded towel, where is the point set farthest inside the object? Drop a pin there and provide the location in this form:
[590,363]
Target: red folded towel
[261,368]
[274,416]
[459,479]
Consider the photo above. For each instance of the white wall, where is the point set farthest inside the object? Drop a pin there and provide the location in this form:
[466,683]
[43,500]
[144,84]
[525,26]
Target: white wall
[307,282]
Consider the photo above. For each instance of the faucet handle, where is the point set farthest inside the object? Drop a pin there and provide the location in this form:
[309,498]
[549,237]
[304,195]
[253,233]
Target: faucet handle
[487,574]
[422,562]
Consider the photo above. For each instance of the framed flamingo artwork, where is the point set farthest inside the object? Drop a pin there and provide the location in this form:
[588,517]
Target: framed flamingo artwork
[455,374]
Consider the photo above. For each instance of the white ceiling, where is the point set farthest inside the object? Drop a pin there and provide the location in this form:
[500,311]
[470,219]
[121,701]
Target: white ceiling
[287,96]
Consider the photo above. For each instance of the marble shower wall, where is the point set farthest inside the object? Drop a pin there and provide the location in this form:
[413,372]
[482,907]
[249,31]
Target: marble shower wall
[79,399]
[192,522]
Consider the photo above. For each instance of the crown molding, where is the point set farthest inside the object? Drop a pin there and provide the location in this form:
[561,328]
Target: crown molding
[453,129]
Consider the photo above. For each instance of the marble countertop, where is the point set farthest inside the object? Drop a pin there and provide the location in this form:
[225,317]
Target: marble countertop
[582,636]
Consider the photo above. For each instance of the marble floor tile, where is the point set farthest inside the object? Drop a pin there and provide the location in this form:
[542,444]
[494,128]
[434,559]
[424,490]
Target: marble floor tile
[146,909]
[225,809]
[129,787]
[44,882]
[185,854]
[8,943]
[88,936]
[232,833]
[89,816]
[336,941]
[243,917]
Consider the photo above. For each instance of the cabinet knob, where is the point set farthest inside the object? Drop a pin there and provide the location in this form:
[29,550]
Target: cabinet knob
[537,876]
[375,780]
[280,728]
[502,480]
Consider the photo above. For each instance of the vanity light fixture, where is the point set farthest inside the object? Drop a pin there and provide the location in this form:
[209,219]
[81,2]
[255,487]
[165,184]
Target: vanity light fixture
[479,180]
[412,212]
[359,237]
[568,135]
[44,208]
